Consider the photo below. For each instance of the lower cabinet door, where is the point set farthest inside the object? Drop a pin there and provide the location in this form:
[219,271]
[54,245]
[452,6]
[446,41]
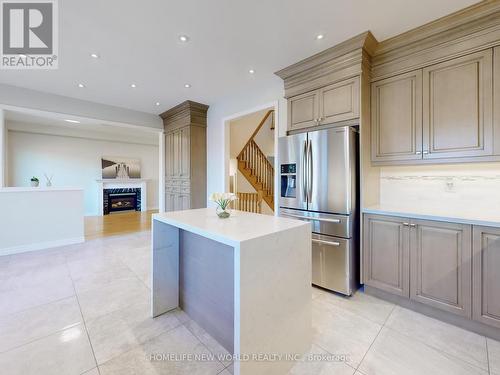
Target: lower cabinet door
[385,253]
[441,265]
[486,275]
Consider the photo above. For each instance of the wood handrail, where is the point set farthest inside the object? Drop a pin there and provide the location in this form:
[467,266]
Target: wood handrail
[256,131]
[266,160]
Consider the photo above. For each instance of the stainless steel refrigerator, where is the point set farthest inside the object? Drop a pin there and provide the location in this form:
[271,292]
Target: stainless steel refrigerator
[319,184]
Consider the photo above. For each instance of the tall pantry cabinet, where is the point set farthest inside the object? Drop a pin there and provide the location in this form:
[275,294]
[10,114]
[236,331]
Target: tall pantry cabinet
[185,156]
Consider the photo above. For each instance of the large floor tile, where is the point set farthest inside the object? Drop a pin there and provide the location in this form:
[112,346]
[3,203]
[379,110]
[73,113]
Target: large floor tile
[27,277]
[21,328]
[445,337]
[87,267]
[319,362]
[116,333]
[112,296]
[494,356]
[215,348]
[94,371]
[396,354]
[151,357]
[20,299]
[103,277]
[341,332]
[67,352]
[362,304]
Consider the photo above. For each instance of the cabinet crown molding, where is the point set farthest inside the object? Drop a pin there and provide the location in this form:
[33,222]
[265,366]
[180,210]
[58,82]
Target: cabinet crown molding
[186,113]
[469,30]
[339,62]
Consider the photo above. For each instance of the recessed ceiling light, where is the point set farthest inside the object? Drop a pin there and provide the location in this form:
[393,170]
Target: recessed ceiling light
[94,55]
[319,36]
[133,85]
[251,71]
[183,38]
[187,85]
[81,85]
[157,103]
[73,121]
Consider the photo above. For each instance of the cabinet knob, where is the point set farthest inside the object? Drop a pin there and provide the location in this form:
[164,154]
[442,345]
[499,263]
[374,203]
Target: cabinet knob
[418,153]
[426,152]
[406,224]
[413,225]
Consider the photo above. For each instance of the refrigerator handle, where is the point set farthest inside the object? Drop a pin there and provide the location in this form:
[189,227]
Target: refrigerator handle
[310,171]
[304,172]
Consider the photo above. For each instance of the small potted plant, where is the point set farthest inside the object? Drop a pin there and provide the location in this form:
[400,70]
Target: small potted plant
[223,201]
[34,181]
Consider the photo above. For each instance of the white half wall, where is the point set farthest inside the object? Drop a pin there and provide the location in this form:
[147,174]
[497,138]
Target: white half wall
[75,161]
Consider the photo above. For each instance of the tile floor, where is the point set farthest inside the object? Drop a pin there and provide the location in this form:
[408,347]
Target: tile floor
[84,309]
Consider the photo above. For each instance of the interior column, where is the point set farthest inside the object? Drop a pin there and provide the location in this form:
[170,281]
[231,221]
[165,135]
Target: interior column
[3,150]
[161,177]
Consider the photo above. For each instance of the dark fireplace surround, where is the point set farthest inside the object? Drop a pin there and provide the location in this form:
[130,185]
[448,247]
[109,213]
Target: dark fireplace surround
[121,199]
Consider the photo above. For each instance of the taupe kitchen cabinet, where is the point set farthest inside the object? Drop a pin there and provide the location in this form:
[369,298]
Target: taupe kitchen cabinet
[303,111]
[185,156]
[458,107]
[333,103]
[486,275]
[386,254]
[441,265]
[443,111]
[426,261]
[396,109]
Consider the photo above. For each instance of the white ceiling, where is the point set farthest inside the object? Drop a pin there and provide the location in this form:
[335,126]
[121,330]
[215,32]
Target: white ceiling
[138,43]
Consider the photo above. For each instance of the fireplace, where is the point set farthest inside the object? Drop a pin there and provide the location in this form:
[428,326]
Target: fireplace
[121,199]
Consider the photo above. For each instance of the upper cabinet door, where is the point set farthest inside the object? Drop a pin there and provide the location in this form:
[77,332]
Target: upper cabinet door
[486,282]
[169,155]
[441,265]
[457,107]
[339,102]
[184,154]
[396,110]
[303,110]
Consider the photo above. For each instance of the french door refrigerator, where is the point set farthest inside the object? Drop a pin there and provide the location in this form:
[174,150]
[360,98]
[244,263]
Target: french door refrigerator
[319,184]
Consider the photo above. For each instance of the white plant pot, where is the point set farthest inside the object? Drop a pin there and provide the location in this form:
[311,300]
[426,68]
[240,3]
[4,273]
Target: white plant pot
[35,183]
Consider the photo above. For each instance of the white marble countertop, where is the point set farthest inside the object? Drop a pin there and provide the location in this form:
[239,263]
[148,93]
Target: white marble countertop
[24,189]
[463,215]
[240,226]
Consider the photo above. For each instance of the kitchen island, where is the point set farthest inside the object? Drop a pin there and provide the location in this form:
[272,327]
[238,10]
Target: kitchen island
[246,280]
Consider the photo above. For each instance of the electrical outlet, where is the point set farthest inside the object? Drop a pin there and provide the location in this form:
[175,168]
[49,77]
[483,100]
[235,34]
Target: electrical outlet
[449,186]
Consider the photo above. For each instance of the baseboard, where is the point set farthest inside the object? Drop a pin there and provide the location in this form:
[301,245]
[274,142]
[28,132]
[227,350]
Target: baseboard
[40,246]
[459,321]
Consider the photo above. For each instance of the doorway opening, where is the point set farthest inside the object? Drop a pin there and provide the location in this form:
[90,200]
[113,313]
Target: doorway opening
[252,160]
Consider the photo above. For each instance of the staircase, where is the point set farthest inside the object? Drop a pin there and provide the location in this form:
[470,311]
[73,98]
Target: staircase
[253,164]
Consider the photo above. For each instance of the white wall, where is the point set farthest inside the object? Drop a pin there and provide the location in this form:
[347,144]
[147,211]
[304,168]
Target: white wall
[248,100]
[76,162]
[471,186]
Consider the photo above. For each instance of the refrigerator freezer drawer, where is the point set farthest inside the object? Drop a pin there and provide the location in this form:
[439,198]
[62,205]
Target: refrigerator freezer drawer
[332,264]
[329,224]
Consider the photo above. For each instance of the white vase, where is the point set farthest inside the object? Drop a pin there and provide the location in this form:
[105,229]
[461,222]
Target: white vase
[35,183]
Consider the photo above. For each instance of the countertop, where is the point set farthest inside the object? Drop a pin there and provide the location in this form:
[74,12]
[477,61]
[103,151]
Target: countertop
[23,189]
[464,215]
[239,227]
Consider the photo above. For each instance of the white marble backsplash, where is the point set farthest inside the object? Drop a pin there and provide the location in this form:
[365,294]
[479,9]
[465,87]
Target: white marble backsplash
[458,186]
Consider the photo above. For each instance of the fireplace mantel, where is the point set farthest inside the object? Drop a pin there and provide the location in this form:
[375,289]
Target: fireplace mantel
[114,183]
